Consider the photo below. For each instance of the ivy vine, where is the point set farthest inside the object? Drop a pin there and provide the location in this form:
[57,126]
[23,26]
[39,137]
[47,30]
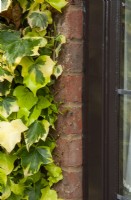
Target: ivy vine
[29,48]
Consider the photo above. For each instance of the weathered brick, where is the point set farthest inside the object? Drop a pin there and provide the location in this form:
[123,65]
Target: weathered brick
[70,122]
[72,56]
[69,91]
[69,88]
[70,187]
[71,24]
[70,152]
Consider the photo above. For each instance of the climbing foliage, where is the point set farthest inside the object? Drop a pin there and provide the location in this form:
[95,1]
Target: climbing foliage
[29,48]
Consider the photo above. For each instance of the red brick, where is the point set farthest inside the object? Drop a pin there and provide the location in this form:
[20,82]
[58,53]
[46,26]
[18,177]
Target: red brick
[70,122]
[76,2]
[69,88]
[69,152]
[72,57]
[74,199]
[71,24]
[71,186]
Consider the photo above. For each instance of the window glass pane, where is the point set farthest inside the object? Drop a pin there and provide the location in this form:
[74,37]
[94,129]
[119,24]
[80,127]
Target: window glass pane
[125,103]
[125,146]
[126,43]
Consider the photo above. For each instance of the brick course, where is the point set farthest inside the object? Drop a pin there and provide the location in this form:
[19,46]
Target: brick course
[69,92]
[69,88]
[72,62]
[71,23]
[70,122]
[70,187]
[70,152]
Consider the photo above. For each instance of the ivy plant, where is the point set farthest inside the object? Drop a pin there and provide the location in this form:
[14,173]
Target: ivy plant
[29,48]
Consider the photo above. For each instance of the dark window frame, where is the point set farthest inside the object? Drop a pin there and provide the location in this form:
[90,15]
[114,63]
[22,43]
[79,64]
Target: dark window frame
[100,99]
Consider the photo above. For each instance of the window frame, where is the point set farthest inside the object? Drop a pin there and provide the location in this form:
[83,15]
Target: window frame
[100,99]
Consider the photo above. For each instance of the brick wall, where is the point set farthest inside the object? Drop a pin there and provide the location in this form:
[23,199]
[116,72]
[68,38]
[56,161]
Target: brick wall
[69,88]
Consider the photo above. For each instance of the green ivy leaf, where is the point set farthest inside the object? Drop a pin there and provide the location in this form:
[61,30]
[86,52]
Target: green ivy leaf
[23,114]
[6,192]
[38,19]
[37,74]
[10,133]
[7,106]
[17,189]
[5,4]
[32,160]
[42,103]
[15,48]
[7,162]
[51,143]
[39,1]
[25,98]
[35,177]
[38,130]
[48,194]
[14,197]
[34,32]
[57,4]
[54,173]
[3,177]
[34,115]
[34,193]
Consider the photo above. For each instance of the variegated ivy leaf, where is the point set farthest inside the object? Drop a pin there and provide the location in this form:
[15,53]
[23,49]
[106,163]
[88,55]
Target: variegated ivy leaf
[38,19]
[15,47]
[60,39]
[49,15]
[25,98]
[37,73]
[6,69]
[28,5]
[5,88]
[57,4]
[5,5]
[10,133]
[7,162]
[25,4]
[7,106]
[57,70]
[38,130]
[32,160]
[5,75]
